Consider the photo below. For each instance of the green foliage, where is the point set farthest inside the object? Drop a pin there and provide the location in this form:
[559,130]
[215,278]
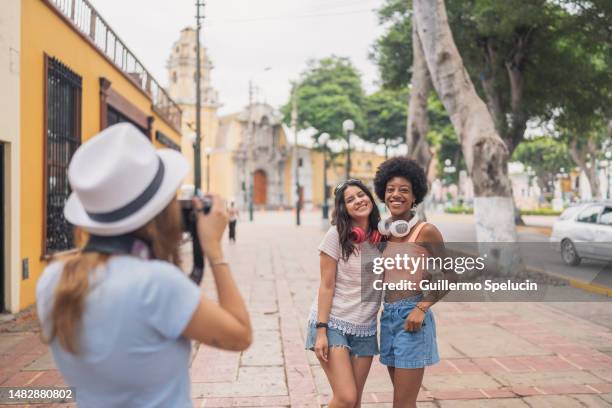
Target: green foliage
[443,138]
[386,115]
[559,50]
[459,209]
[545,155]
[328,92]
[393,51]
[542,211]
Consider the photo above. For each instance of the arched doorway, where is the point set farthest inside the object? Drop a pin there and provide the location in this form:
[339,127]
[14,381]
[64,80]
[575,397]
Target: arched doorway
[260,182]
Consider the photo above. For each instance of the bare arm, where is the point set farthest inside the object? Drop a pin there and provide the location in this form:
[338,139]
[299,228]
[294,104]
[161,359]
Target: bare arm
[225,325]
[327,286]
[431,238]
[326,294]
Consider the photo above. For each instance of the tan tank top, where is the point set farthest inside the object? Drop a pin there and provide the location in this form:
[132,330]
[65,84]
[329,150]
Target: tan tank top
[412,258]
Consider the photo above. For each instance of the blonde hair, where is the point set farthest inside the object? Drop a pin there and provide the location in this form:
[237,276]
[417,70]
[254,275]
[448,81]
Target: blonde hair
[163,233]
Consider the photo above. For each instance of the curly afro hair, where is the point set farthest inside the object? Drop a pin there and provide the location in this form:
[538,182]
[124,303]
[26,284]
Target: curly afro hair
[401,167]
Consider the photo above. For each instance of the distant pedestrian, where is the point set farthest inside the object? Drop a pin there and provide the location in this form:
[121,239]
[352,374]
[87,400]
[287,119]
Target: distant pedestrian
[233,219]
[342,327]
[119,313]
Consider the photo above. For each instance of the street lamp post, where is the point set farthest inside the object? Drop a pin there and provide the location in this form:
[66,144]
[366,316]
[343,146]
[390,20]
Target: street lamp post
[296,150]
[383,141]
[323,139]
[208,152]
[348,126]
[198,140]
[449,168]
[608,155]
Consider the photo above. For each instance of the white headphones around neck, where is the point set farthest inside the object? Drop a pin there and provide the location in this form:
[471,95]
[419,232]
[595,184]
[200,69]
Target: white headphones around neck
[397,228]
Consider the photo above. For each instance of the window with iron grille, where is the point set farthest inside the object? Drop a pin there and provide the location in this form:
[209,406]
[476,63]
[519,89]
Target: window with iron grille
[63,136]
[113,117]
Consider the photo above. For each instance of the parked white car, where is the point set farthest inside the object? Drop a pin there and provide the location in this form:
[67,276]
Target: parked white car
[584,231]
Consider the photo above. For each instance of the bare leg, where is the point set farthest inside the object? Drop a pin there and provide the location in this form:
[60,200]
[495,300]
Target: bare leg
[406,385]
[391,371]
[361,368]
[339,373]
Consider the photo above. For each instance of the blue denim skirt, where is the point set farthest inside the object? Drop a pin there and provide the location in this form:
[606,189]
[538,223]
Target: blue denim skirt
[400,348]
[360,346]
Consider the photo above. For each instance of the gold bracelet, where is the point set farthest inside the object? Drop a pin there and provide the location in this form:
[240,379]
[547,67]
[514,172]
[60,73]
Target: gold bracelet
[421,308]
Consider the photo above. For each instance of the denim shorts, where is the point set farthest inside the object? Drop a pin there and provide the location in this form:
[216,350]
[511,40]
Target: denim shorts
[400,348]
[359,346]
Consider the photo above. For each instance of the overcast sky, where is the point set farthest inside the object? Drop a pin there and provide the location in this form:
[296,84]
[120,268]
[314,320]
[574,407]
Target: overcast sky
[244,37]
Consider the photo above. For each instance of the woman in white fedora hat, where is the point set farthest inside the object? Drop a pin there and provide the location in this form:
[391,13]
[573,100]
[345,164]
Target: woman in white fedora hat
[119,314]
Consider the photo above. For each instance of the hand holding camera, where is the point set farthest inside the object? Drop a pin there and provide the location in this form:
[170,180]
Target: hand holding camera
[211,225]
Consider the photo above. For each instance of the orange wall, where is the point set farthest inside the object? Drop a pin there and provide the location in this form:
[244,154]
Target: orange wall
[44,32]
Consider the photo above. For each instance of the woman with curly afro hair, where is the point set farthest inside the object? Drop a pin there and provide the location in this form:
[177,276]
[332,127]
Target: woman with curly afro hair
[407,326]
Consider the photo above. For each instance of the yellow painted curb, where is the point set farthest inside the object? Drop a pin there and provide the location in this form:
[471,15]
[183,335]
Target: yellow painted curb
[586,286]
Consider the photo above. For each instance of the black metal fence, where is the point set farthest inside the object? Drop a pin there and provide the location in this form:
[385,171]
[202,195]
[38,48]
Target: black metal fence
[63,138]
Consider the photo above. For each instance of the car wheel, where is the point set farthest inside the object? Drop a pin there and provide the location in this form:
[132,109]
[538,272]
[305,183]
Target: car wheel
[569,254]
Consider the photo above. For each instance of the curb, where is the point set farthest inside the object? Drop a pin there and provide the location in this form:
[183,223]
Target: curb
[579,284]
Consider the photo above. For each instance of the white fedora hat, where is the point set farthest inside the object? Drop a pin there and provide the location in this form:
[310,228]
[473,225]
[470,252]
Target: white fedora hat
[120,182]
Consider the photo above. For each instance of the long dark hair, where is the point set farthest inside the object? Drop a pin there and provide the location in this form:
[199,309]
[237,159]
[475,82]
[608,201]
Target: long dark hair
[343,221]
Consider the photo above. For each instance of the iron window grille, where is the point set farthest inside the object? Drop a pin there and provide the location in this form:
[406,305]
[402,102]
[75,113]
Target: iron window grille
[63,136]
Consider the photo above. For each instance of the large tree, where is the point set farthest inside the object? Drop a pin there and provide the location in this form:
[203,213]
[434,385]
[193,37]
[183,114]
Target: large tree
[484,151]
[328,92]
[506,47]
[518,54]
[402,64]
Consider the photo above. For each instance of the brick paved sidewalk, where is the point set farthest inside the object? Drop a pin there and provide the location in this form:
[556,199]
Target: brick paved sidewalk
[493,355]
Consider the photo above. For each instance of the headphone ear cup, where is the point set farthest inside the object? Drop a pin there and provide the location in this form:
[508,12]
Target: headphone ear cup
[358,235]
[383,226]
[400,228]
[375,237]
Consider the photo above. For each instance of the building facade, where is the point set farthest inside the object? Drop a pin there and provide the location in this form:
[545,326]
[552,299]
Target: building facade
[251,152]
[181,68]
[68,75]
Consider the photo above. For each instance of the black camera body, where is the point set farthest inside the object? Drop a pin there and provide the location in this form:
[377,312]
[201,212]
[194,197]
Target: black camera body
[188,214]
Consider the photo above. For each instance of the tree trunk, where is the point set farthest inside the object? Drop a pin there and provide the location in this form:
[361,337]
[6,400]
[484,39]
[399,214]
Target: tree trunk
[418,122]
[579,155]
[485,153]
[511,133]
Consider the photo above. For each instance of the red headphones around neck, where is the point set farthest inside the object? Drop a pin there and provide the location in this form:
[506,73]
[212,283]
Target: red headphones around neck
[358,235]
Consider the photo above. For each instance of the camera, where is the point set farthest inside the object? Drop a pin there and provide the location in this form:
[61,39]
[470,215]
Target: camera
[189,213]
[189,225]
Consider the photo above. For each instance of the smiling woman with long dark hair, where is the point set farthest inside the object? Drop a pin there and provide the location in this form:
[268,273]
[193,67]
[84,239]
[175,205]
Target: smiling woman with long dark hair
[341,327]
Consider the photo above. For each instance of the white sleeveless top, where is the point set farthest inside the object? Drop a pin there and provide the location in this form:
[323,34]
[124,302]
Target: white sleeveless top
[349,313]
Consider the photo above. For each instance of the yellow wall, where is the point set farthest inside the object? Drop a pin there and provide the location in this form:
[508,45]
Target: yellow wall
[42,31]
[336,172]
[316,159]
[223,174]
